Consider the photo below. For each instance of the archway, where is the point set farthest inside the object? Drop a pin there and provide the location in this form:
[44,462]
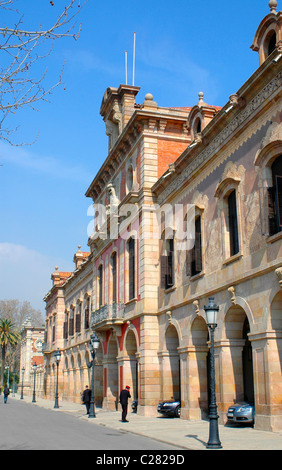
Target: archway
[112,374]
[171,370]
[237,358]
[199,364]
[130,367]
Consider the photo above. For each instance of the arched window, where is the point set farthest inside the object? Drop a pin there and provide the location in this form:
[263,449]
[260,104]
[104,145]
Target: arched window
[198,126]
[100,281]
[196,261]
[131,268]
[271,44]
[167,263]
[129,178]
[275,198]
[114,277]
[233,223]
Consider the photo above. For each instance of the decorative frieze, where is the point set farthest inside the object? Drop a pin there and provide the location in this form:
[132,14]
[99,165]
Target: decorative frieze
[221,139]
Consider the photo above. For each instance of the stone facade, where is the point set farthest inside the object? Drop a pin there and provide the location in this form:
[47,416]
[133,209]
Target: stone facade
[32,340]
[145,291]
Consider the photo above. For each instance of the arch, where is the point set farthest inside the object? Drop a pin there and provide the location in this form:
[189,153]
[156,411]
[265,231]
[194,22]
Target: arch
[236,356]
[171,365]
[112,380]
[130,372]
[131,345]
[266,156]
[267,35]
[275,317]
[199,331]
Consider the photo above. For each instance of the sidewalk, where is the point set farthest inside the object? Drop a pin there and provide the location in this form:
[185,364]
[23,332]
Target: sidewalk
[190,435]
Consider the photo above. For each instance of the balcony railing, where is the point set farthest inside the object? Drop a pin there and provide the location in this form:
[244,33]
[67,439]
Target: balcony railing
[107,313]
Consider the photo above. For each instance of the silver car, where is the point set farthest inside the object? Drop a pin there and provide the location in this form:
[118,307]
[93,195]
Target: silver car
[241,413]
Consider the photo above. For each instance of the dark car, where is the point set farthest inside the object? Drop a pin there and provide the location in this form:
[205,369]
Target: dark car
[169,408]
[241,413]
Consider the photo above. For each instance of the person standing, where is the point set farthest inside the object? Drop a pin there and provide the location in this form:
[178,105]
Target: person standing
[6,392]
[123,399]
[86,397]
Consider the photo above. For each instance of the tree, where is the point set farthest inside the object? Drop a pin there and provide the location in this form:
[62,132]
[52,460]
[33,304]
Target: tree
[17,312]
[21,84]
[8,336]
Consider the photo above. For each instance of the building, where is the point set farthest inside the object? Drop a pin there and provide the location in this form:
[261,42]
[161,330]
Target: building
[32,339]
[146,288]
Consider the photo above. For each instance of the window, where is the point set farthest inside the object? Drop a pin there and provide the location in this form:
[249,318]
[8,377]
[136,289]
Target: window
[100,281]
[78,319]
[275,198]
[129,178]
[196,261]
[66,326]
[54,329]
[233,224]
[167,264]
[198,126]
[71,323]
[86,315]
[131,268]
[272,44]
[114,277]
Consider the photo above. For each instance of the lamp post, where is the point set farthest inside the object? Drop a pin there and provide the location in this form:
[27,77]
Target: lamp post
[34,373]
[57,359]
[211,312]
[23,371]
[94,344]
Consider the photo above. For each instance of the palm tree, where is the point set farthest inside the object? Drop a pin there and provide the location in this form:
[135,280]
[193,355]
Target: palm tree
[8,336]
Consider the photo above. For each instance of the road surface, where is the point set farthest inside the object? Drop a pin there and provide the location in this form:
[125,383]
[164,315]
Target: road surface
[25,426]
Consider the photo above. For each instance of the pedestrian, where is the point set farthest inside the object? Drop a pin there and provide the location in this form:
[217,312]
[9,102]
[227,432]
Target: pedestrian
[6,392]
[123,399]
[86,397]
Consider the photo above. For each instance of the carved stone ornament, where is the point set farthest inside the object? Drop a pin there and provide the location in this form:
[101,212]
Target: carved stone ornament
[231,291]
[196,305]
[169,314]
[278,273]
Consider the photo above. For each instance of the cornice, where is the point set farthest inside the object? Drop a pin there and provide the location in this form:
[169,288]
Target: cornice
[192,159]
[141,121]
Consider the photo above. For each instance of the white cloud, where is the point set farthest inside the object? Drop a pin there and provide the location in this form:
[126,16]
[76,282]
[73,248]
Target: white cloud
[50,165]
[24,274]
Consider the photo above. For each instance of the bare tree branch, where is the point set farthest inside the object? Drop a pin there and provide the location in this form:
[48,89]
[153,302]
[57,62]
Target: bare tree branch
[22,49]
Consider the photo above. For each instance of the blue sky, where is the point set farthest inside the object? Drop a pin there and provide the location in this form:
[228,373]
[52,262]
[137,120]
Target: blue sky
[182,47]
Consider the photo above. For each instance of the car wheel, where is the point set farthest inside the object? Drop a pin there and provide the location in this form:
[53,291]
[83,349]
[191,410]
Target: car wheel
[177,412]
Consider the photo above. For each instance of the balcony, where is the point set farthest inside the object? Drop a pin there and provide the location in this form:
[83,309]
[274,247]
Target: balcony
[107,315]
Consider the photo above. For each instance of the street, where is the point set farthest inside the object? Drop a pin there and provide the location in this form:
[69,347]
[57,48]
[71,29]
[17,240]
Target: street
[28,427]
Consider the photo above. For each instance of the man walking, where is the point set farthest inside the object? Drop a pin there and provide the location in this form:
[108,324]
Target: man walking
[123,399]
[6,392]
[86,397]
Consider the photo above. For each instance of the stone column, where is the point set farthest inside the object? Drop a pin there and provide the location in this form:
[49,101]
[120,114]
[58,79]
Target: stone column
[267,349]
[150,370]
[229,374]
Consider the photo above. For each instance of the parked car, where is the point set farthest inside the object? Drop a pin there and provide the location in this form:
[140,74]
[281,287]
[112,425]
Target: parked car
[134,405]
[169,408]
[241,413]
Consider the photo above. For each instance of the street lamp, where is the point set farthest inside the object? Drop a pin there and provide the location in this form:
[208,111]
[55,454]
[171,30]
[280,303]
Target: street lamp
[94,344]
[34,373]
[211,312]
[57,359]
[23,371]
